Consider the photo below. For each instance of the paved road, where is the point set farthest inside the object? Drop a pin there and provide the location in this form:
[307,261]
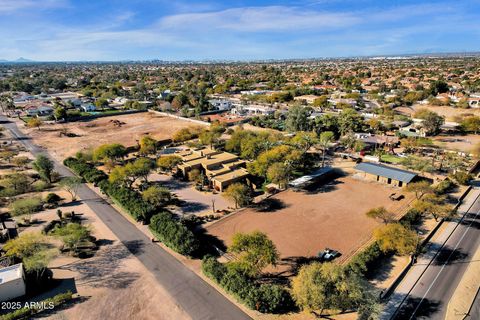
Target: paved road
[195,296]
[430,296]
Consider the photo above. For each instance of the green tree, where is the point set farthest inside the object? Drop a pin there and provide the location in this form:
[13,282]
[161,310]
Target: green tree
[297,118]
[71,234]
[279,173]
[324,141]
[381,213]
[59,113]
[34,249]
[209,137]
[169,162]
[471,124]
[71,185]
[239,193]
[397,238]
[44,166]
[419,188]
[320,286]
[253,252]
[34,123]
[148,145]
[349,121]
[15,183]
[434,205]
[113,151]
[157,196]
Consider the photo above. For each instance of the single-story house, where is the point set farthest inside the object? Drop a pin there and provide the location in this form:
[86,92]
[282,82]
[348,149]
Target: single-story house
[252,110]
[385,174]
[220,168]
[87,107]
[12,282]
[40,111]
[221,104]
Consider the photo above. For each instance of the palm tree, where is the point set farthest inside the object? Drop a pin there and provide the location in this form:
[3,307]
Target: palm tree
[324,141]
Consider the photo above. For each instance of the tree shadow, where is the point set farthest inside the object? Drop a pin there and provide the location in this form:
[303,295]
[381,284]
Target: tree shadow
[383,266]
[317,188]
[271,205]
[174,184]
[189,207]
[450,256]
[104,269]
[426,309]
[209,244]
[294,264]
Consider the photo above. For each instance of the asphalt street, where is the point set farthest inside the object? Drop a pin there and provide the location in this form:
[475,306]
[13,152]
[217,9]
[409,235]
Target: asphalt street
[195,296]
[430,296]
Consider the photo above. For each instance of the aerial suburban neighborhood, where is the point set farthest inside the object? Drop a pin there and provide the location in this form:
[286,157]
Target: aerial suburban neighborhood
[338,187]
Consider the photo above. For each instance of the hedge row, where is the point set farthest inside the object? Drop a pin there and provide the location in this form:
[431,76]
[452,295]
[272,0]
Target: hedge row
[85,170]
[173,234]
[266,298]
[28,312]
[130,200]
[362,262]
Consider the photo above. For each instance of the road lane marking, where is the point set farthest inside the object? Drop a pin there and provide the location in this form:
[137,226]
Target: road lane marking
[443,266]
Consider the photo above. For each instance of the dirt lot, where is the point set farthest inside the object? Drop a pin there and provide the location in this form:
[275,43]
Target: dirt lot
[461,143]
[102,130]
[307,222]
[448,112]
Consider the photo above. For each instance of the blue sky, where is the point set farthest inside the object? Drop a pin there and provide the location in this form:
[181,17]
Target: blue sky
[68,30]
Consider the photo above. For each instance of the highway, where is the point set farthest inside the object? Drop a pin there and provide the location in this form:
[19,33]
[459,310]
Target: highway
[430,295]
[195,296]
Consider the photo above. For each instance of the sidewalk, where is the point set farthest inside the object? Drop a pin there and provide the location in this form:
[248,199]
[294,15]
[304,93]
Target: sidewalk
[425,259]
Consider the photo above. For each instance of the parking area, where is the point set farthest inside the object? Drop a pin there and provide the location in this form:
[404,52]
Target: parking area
[195,202]
[303,223]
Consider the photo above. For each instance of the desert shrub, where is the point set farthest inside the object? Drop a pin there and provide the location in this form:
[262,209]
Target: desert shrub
[273,298]
[361,262]
[40,185]
[213,269]
[25,206]
[412,217]
[52,198]
[173,233]
[71,234]
[267,298]
[130,200]
[239,285]
[462,177]
[444,186]
[85,170]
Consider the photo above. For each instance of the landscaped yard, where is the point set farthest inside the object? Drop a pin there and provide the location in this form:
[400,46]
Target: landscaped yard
[390,158]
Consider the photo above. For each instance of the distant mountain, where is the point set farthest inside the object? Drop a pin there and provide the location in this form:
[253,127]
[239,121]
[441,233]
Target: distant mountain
[21,59]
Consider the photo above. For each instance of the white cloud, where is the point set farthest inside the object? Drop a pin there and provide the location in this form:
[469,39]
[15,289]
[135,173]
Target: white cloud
[259,19]
[9,6]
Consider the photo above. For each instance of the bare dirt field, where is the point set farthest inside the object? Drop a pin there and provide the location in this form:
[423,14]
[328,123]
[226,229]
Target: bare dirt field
[463,143]
[448,112]
[304,223]
[102,130]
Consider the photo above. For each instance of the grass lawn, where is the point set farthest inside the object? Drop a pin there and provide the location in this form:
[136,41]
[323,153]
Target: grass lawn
[389,158]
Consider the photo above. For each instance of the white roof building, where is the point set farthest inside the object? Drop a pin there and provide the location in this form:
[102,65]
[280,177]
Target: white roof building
[12,283]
